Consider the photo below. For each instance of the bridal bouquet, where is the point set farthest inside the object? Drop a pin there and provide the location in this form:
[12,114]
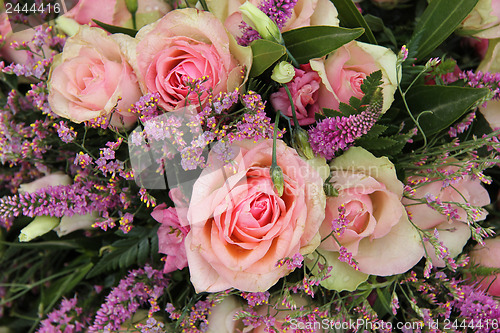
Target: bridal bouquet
[258,166]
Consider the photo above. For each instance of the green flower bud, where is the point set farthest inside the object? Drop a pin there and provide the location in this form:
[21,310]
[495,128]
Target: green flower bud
[38,227]
[132,6]
[301,143]
[283,72]
[330,190]
[255,18]
[277,178]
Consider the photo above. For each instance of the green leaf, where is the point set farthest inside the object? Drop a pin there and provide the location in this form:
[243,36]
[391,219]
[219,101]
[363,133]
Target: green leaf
[377,24]
[370,85]
[375,131]
[350,17]
[437,22]
[329,113]
[134,249]
[380,143]
[116,29]
[64,285]
[314,42]
[347,110]
[445,103]
[265,54]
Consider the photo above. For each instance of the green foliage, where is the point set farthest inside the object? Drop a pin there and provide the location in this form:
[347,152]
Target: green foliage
[265,54]
[136,247]
[437,107]
[116,29]
[437,22]
[350,16]
[317,41]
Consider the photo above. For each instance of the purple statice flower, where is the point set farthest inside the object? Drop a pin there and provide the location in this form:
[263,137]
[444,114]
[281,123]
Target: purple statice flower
[291,263]
[65,319]
[126,221]
[135,290]
[256,298]
[279,11]
[66,133]
[346,256]
[483,80]
[475,306]
[462,126]
[337,133]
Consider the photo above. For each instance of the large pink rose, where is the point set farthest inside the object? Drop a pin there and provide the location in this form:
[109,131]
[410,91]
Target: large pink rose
[343,72]
[240,227]
[188,44]
[378,233]
[488,256]
[304,90]
[454,232]
[91,77]
[115,12]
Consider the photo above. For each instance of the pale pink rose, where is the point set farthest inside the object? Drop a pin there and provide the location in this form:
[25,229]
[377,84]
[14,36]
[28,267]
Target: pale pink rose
[488,256]
[454,233]
[483,21]
[171,236]
[240,227]
[491,63]
[304,90]
[184,44]
[305,13]
[378,234]
[115,12]
[343,71]
[92,76]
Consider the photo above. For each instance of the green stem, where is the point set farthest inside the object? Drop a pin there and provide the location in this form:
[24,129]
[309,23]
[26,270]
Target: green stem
[295,121]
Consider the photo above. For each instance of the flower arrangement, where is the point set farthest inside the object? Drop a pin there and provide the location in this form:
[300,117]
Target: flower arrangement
[267,166]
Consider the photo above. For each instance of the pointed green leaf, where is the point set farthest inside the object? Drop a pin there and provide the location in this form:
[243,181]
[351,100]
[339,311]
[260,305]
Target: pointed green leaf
[376,130]
[265,54]
[314,42]
[380,143]
[331,113]
[445,103]
[116,29]
[437,22]
[350,17]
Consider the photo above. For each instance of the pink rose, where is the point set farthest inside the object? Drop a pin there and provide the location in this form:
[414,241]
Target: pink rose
[171,236]
[304,90]
[240,227]
[92,77]
[378,233]
[483,21]
[488,256]
[115,12]
[454,233]
[343,72]
[305,13]
[186,44]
